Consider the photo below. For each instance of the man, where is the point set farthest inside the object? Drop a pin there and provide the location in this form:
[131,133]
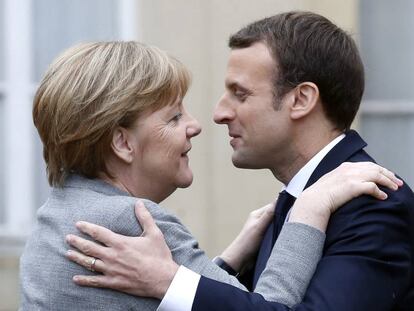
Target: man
[294,84]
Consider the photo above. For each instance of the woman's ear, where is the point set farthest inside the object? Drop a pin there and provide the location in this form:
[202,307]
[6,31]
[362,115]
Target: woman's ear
[306,96]
[122,145]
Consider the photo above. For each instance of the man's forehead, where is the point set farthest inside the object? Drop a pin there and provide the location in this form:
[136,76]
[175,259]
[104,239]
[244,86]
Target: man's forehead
[248,64]
[256,51]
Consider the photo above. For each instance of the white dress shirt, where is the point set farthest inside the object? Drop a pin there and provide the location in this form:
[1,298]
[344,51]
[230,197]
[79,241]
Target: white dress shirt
[181,293]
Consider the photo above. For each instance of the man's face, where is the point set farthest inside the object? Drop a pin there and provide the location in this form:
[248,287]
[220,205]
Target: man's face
[259,132]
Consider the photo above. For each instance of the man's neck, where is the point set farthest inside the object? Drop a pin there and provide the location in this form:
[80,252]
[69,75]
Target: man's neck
[298,183]
[305,149]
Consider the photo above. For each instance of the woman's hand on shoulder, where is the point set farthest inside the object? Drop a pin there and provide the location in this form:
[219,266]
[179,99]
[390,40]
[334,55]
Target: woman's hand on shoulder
[348,181]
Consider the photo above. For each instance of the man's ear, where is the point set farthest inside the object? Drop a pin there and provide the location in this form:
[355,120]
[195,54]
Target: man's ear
[121,145]
[306,97]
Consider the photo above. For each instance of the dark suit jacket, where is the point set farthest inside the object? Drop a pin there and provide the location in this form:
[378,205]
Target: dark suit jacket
[368,260]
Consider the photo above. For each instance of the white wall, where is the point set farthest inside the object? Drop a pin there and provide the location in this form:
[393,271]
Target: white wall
[196,32]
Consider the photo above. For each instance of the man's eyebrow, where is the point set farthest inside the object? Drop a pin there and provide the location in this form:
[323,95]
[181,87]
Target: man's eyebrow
[235,85]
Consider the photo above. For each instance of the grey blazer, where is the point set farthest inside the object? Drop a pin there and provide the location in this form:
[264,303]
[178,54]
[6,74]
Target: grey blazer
[46,275]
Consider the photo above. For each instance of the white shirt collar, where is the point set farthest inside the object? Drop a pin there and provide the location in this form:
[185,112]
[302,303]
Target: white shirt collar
[298,182]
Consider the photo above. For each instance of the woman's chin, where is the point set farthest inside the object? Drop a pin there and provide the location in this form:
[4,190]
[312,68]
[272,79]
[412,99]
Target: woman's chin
[185,181]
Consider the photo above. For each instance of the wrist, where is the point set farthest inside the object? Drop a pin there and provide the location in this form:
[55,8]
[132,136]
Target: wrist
[224,265]
[232,261]
[236,255]
[311,211]
[165,282]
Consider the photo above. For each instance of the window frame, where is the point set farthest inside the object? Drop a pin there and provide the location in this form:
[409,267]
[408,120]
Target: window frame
[17,91]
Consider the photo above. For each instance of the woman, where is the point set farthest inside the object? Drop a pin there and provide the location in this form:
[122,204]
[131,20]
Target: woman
[114,128]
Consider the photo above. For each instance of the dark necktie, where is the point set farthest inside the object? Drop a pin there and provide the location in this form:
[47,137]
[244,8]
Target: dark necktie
[283,205]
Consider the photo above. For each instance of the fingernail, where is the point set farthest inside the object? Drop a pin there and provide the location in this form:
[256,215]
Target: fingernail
[68,238]
[79,224]
[68,253]
[76,278]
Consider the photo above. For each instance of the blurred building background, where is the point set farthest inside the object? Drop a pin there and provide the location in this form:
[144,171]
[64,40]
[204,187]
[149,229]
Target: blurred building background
[33,32]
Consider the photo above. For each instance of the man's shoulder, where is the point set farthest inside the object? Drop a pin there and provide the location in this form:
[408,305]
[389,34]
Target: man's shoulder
[403,197]
[366,213]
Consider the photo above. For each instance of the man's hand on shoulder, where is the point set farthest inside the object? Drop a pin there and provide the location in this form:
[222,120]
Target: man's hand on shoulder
[141,266]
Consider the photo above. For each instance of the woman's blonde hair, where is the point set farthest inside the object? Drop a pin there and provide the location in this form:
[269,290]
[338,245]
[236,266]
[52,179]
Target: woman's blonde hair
[91,89]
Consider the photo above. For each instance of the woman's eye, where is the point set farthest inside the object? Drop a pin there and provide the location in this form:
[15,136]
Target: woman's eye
[176,117]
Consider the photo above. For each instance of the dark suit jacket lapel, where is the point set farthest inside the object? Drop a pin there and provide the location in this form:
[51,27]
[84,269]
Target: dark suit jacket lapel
[348,146]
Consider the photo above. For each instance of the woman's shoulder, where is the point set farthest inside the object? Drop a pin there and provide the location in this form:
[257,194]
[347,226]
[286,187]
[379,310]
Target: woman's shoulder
[100,203]
[126,222]
[97,202]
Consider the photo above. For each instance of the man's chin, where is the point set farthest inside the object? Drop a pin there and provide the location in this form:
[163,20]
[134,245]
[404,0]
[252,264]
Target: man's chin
[243,163]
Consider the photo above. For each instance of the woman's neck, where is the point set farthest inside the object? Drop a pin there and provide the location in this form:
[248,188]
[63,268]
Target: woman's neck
[150,192]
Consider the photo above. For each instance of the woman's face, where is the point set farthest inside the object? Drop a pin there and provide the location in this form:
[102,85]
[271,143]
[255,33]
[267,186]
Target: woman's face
[162,141]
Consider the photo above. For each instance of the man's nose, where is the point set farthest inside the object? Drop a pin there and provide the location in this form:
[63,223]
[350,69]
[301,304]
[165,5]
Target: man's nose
[223,112]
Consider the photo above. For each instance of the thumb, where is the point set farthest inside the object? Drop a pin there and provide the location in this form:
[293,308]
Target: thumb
[268,210]
[268,213]
[144,218]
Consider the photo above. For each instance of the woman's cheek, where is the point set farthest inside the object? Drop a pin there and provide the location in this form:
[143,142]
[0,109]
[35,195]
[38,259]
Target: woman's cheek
[167,139]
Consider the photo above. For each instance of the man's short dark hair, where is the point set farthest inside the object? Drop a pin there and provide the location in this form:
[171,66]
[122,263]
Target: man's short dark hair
[308,47]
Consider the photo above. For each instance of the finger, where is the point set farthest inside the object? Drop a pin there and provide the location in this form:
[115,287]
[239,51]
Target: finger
[145,219]
[269,209]
[386,173]
[385,181]
[98,233]
[86,261]
[391,176]
[379,175]
[271,206]
[373,190]
[87,247]
[268,213]
[373,172]
[92,280]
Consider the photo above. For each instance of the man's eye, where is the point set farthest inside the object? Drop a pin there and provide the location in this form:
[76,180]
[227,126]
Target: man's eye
[240,95]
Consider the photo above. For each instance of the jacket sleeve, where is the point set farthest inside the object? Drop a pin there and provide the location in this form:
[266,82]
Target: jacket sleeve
[366,263]
[287,273]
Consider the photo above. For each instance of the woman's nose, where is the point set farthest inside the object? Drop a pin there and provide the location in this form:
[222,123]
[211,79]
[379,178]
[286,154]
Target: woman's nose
[194,128]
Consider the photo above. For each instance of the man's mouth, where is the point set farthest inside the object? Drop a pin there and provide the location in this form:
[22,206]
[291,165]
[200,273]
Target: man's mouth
[233,140]
[233,135]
